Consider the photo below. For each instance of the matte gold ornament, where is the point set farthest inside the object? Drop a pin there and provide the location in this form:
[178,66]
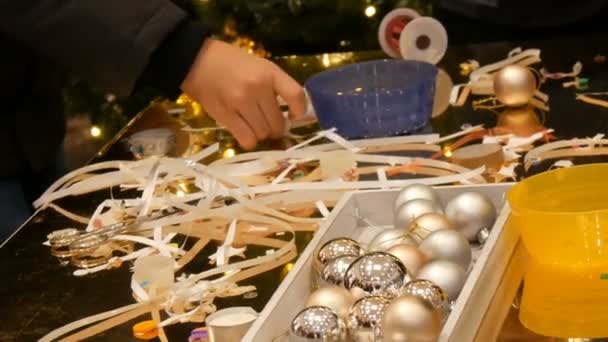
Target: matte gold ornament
[317,324]
[411,210]
[409,318]
[447,244]
[377,273]
[514,85]
[470,212]
[364,318]
[427,290]
[415,191]
[389,238]
[427,224]
[449,276]
[334,297]
[411,257]
[335,248]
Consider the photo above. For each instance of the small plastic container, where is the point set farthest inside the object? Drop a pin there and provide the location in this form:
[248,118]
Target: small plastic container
[152,142]
[563,219]
[374,99]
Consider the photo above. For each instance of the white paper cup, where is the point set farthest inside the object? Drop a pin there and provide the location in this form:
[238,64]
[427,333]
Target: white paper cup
[230,325]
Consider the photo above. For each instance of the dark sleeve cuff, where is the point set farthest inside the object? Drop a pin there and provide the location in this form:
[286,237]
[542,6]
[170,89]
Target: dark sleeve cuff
[170,63]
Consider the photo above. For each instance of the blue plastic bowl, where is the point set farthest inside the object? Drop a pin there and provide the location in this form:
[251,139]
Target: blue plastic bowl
[374,99]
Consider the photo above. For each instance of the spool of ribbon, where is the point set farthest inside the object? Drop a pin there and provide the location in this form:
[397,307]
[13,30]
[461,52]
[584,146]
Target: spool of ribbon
[423,39]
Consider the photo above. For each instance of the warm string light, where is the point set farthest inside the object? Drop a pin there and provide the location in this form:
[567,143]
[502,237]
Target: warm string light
[229,153]
[95,131]
[370,11]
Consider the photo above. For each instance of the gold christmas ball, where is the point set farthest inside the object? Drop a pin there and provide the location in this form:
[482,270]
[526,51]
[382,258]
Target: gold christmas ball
[336,298]
[410,256]
[428,223]
[521,121]
[409,318]
[514,85]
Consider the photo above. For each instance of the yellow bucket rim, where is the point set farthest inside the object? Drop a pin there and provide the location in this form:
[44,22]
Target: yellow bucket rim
[517,186]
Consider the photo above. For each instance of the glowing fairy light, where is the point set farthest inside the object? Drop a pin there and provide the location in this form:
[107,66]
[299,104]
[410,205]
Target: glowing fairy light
[95,131]
[370,11]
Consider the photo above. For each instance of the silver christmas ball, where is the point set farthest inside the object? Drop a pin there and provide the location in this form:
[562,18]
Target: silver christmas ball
[415,191]
[471,212]
[334,297]
[364,318]
[428,223]
[447,244]
[317,324]
[335,248]
[409,318]
[427,290]
[389,238]
[449,276]
[411,257]
[333,272]
[411,210]
[377,273]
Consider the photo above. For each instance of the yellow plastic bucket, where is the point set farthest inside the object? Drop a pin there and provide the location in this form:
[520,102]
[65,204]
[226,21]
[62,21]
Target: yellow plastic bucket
[563,219]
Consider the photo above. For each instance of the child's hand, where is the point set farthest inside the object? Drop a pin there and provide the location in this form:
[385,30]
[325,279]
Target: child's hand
[239,91]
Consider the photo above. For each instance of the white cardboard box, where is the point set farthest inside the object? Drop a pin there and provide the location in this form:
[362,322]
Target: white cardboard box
[376,206]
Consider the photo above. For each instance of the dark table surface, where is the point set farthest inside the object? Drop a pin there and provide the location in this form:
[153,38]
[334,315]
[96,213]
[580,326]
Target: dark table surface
[38,294]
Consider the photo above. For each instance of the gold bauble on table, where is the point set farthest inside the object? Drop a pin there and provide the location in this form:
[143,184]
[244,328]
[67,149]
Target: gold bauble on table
[521,121]
[334,297]
[409,318]
[428,223]
[514,85]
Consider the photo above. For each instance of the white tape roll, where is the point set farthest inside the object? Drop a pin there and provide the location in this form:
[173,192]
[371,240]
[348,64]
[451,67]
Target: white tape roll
[423,39]
[390,29]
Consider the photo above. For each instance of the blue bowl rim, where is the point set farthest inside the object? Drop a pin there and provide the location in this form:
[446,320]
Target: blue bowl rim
[325,73]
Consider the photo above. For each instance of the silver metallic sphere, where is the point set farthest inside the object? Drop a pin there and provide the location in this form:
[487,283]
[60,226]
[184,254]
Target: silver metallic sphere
[470,212]
[389,238]
[447,244]
[409,318]
[335,248]
[377,273]
[415,191]
[411,210]
[427,290]
[449,276]
[428,223]
[337,298]
[317,324]
[333,272]
[364,318]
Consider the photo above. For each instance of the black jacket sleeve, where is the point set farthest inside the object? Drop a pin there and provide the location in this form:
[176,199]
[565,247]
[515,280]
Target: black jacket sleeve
[109,42]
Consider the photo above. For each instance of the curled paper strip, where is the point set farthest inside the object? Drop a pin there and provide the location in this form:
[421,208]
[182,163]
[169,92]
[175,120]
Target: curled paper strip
[566,148]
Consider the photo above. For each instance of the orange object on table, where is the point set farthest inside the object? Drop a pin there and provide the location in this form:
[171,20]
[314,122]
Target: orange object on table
[146,330]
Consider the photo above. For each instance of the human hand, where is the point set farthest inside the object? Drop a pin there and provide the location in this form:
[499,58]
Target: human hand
[239,91]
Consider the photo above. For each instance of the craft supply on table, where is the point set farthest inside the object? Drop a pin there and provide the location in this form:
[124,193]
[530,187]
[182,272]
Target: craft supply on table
[562,215]
[374,99]
[407,288]
[235,201]
[153,142]
[230,325]
[403,33]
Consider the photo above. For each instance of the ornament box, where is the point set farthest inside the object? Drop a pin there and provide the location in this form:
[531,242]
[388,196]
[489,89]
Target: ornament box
[490,262]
